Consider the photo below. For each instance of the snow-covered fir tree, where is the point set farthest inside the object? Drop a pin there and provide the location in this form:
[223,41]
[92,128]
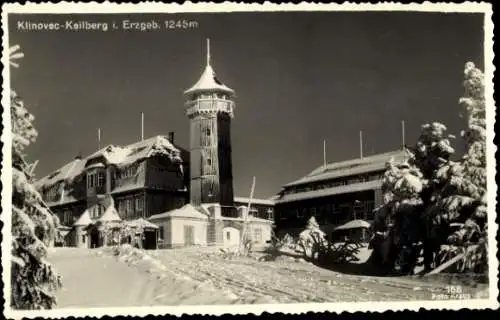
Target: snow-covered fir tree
[34,227]
[399,219]
[428,193]
[462,198]
[311,238]
[432,154]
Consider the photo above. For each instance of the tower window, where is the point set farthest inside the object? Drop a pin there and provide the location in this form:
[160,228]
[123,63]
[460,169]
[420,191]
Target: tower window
[209,161]
[208,132]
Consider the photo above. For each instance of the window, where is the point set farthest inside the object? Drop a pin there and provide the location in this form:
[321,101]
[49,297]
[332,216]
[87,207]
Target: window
[121,208]
[94,212]
[208,132]
[209,161]
[91,180]
[161,233]
[336,209]
[100,179]
[130,207]
[299,213]
[127,172]
[258,235]
[228,235]
[313,211]
[67,217]
[139,205]
[83,239]
[270,214]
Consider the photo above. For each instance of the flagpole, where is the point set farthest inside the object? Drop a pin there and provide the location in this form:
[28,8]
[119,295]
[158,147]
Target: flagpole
[142,126]
[98,138]
[324,153]
[403,133]
[208,51]
[361,144]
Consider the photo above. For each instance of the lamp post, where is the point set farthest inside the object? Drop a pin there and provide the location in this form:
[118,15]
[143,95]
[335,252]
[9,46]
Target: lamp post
[356,202]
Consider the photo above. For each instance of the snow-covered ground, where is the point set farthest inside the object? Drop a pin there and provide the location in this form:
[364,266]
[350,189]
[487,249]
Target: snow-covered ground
[96,278]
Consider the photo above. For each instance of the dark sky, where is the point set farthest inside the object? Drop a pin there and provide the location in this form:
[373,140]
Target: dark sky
[300,78]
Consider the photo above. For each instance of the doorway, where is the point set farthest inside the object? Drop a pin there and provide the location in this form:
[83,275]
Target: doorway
[188,235]
[231,236]
[94,238]
[149,240]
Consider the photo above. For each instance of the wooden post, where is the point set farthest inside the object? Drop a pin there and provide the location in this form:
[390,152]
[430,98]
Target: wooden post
[244,229]
[453,260]
[446,264]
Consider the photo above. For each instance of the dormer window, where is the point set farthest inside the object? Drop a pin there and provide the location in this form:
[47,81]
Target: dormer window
[90,180]
[100,179]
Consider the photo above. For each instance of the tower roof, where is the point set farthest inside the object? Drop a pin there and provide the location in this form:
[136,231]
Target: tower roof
[208,80]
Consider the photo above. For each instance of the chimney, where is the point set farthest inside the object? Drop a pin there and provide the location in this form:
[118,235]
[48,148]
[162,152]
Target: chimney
[171,137]
[79,156]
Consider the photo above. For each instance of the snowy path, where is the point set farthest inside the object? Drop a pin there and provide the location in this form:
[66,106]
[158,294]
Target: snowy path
[95,279]
[286,281]
[91,279]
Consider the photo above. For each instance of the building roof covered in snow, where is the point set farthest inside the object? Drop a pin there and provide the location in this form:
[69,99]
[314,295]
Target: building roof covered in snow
[110,215]
[357,187]
[259,220]
[66,172]
[118,156]
[350,167]
[354,224]
[254,201]
[141,223]
[84,219]
[208,80]
[187,211]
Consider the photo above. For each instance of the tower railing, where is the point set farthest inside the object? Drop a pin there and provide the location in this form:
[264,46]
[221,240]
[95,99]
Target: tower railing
[209,105]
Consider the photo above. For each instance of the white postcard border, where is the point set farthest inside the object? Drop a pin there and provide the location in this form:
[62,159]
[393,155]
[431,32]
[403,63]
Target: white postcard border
[189,7]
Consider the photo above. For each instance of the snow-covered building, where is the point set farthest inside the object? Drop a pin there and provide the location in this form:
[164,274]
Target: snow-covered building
[155,178]
[143,178]
[334,194]
[260,208]
[204,225]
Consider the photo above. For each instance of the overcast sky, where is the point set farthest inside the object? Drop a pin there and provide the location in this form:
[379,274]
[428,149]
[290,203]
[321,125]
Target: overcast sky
[300,78]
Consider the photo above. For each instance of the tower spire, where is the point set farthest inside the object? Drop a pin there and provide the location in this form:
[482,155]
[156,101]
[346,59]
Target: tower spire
[208,80]
[208,51]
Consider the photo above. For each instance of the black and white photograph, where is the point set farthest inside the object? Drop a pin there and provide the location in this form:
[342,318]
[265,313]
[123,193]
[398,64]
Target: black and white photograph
[231,158]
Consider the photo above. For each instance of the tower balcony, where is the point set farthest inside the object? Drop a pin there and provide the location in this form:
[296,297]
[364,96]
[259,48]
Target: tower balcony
[209,105]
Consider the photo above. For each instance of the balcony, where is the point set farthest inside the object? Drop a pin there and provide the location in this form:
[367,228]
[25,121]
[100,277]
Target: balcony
[209,105]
